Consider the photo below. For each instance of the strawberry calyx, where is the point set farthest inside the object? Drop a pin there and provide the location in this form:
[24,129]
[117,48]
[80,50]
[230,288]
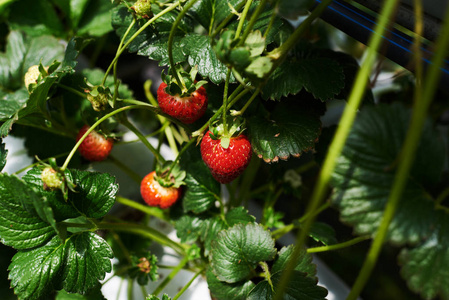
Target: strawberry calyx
[187,84]
[98,96]
[170,176]
[54,178]
[219,132]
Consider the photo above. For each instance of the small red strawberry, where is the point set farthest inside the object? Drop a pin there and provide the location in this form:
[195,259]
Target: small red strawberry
[154,194]
[226,160]
[95,147]
[186,103]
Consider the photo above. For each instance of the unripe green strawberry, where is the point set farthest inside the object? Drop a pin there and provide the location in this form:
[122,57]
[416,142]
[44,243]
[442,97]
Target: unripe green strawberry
[52,180]
[95,147]
[142,8]
[32,75]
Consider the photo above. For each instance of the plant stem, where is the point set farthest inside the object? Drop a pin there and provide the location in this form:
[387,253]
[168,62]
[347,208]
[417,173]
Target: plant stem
[145,231]
[72,90]
[187,285]
[151,211]
[171,38]
[226,21]
[144,140]
[408,152]
[340,245]
[148,23]
[170,276]
[255,15]
[347,119]
[243,18]
[225,101]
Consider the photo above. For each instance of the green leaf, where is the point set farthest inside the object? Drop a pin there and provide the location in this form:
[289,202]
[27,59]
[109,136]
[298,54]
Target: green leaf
[95,20]
[35,273]
[237,251]
[239,215]
[209,230]
[200,53]
[3,155]
[95,192]
[202,190]
[36,18]
[364,174]
[88,258]
[425,267]
[303,264]
[20,228]
[188,228]
[317,73]
[292,9]
[94,294]
[299,287]
[323,233]
[223,290]
[292,129]
[209,13]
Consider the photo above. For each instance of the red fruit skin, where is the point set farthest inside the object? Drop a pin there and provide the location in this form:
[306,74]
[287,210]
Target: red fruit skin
[95,146]
[155,194]
[226,164]
[187,109]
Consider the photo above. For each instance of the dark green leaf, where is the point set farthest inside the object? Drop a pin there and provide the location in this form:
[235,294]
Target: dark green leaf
[20,228]
[303,264]
[321,76]
[209,13]
[3,155]
[223,290]
[34,273]
[201,54]
[425,267]
[96,18]
[95,294]
[202,190]
[365,170]
[95,194]
[299,287]
[323,233]
[35,18]
[72,51]
[237,251]
[88,258]
[95,77]
[291,130]
[209,230]
[188,228]
[239,215]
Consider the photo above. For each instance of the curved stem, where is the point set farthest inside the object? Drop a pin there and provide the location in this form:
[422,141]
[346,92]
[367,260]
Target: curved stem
[171,38]
[187,285]
[347,119]
[408,151]
[226,21]
[243,18]
[151,211]
[252,21]
[152,20]
[340,245]
[170,276]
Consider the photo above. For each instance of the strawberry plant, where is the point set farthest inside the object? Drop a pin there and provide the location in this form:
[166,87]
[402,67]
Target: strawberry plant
[209,119]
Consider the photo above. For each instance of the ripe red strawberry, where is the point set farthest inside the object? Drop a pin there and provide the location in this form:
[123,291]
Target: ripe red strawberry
[95,147]
[154,194]
[226,164]
[187,109]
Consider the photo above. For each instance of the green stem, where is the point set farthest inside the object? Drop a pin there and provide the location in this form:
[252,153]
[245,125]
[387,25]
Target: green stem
[186,286]
[184,148]
[72,90]
[152,20]
[248,103]
[408,152]
[278,233]
[339,246]
[226,21]
[145,231]
[170,276]
[243,18]
[144,140]
[171,38]
[313,214]
[122,109]
[151,211]
[443,195]
[255,15]
[130,289]
[225,101]
[266,274]
[346,121]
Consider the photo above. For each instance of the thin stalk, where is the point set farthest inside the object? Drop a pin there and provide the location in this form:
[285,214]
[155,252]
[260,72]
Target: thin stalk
[187,285]
[225,100]
[347,119]
[248,103]
[408,152]
[151,211]
[255,15]
[152,20]
[122,109]
[226,21]
[72,90]
[171,38]
[170,276]
[184,148]
[339,246]
[130,289]
[144,140]
[145,231]
[243,18]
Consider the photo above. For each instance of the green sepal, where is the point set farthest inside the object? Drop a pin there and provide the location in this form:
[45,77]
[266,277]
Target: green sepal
[188,81]
[66,182]
[144,268]
[98,95]
[170,177]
